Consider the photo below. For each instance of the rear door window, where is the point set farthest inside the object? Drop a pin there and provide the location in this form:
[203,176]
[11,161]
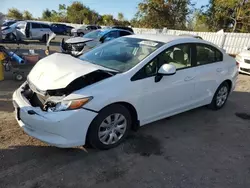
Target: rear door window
[36,25]
[45,26]
[206,54]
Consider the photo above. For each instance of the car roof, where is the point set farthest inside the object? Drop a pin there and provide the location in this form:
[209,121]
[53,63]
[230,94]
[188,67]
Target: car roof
[106,30]
[164,38]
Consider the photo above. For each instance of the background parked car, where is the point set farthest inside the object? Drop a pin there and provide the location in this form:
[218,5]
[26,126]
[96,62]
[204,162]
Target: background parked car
[27,30]
[124,28]
[191,35]
[69,28]
[243,60]
[59,28]
[83,30]
[119,27]
[78,45]
[8,23]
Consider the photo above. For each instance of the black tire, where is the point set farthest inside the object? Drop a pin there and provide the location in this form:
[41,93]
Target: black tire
[81,34]
[92,136]
[19,76]
[45,38]
[213,105]
[11,37]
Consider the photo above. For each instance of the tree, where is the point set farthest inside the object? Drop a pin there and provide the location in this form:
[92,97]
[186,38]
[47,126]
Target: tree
[230,15]
[27,15]
[163,13]
[120,16]
[108,19]
[77,12]
[15,14]
[199,22]
[46,15]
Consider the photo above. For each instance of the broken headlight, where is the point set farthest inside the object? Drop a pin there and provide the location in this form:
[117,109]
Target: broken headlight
[69,105]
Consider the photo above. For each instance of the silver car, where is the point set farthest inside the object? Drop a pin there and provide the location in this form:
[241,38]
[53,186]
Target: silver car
[83,30]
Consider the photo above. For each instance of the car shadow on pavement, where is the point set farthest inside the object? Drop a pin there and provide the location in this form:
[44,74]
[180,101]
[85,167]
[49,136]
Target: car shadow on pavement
[186,134]
[6,106]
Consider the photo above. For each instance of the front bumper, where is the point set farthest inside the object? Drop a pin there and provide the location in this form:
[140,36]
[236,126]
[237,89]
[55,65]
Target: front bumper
[244,68]
[4,36]
[62,129]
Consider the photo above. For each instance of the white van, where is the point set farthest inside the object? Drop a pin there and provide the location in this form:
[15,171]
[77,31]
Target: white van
[27,30]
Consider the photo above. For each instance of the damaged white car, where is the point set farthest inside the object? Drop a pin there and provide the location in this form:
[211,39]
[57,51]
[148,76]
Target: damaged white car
[123,84]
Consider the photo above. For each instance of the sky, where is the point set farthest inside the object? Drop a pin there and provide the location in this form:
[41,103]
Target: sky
[36,7]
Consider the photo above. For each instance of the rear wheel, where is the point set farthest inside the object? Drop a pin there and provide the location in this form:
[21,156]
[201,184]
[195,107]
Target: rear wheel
[110,127]
[220,96]
[81,34]
[45,38]
[19,76]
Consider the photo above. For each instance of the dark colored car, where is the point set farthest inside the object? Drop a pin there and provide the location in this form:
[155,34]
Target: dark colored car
[78,45]
[191,35]
[69,28]
[59,28]
[124,28]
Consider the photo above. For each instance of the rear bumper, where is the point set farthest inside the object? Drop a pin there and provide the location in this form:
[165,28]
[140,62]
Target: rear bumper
[62,129]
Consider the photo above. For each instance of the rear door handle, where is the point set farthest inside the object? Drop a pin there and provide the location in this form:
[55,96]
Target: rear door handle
[188,78]
[219,69]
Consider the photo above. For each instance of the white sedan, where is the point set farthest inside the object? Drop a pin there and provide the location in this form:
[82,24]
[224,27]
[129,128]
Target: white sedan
[121,85]
[243,59]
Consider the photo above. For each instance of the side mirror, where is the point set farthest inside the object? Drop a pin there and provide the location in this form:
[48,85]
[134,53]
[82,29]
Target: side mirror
[167,69]
[107,39]
[246,48]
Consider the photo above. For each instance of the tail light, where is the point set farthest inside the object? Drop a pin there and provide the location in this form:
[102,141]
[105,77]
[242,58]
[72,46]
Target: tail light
[237,64]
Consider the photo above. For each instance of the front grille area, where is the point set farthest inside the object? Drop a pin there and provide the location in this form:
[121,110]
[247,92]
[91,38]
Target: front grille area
[246,70]
[247,61]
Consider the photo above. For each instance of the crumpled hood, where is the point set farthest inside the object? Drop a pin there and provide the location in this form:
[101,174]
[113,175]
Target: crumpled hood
[58,70]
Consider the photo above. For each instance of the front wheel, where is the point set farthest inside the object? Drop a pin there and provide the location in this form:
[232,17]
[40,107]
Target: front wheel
[11,37]
[220,96]
[110,127]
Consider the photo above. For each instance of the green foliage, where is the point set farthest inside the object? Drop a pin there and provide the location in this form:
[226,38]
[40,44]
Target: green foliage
[120,17]
[230,15]
[15,14]
[162,13]
[27,15]
[46,15]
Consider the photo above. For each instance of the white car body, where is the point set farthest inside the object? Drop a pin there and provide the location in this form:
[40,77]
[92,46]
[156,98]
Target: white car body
[243,58]
[187,89]
[36,31]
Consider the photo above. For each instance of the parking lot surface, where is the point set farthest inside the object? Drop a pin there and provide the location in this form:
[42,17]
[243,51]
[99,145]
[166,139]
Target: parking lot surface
[200,148]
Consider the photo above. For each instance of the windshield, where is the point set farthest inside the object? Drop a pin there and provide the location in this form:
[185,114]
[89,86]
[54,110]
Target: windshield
[8,23]
[17,24]
[94,34]
[121,54]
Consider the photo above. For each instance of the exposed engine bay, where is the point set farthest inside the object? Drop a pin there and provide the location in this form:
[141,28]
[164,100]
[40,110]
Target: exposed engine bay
[75,46]
[47,100]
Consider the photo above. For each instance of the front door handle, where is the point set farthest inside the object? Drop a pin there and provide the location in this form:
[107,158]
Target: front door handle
[219,69]
[188,78]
